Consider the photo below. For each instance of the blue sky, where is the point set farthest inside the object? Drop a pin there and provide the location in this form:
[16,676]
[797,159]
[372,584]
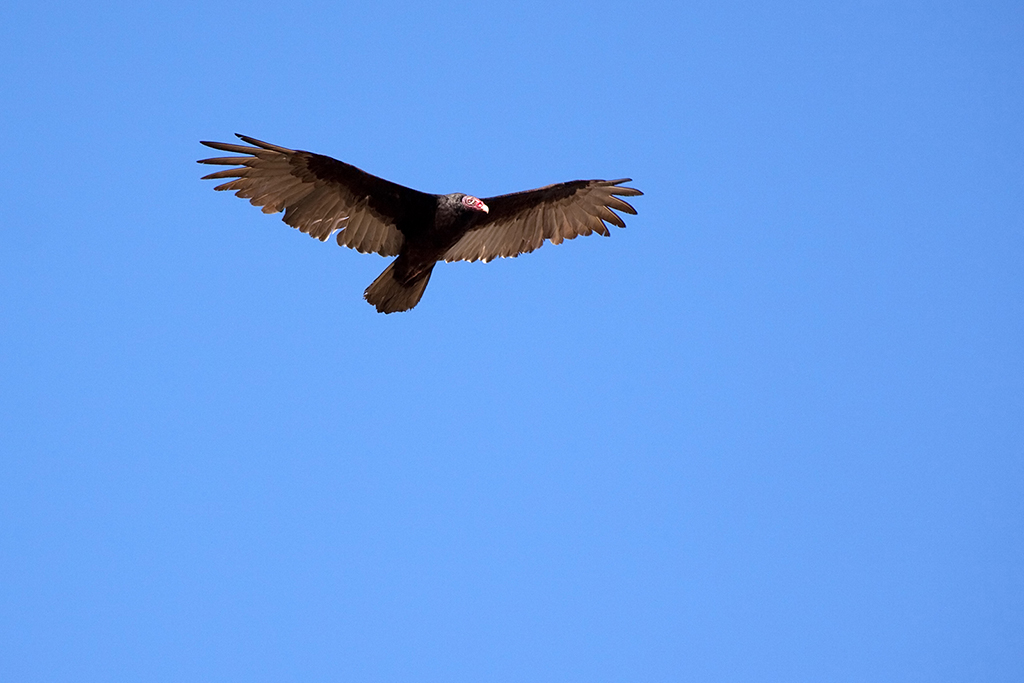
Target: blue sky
[771,431]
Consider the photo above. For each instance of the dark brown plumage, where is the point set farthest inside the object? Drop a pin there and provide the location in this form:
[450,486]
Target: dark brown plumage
[320,195]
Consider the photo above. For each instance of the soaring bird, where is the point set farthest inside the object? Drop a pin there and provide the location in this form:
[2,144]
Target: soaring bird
[320,196]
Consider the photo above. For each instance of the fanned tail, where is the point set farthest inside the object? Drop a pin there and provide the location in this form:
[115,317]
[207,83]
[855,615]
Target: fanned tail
[389,295]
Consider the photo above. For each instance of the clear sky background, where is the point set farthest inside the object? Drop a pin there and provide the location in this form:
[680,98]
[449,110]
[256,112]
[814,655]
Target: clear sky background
[771,431]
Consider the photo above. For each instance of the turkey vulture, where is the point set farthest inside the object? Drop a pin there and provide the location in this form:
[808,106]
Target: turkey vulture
[320,195]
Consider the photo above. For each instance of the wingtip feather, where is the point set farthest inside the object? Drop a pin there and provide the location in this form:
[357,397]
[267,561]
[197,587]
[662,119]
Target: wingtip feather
[264,145]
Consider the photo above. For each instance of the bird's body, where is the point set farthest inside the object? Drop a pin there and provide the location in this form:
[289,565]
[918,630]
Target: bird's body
[401,285]
[321,196]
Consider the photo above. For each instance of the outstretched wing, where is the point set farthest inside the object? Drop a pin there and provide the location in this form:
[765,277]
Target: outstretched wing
[320,195]
[519,223]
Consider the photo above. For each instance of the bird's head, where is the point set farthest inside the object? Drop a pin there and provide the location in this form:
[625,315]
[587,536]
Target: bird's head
[474,203]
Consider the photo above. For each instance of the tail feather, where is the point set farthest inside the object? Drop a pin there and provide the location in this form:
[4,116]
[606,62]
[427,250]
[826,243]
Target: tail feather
[389,295]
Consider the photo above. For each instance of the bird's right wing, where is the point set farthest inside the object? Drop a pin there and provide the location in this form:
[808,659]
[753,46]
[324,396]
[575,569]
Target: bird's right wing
[320,195]
[519,223]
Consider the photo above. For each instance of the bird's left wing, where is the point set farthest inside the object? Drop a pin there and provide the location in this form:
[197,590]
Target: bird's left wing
[320,195]
[519,223]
